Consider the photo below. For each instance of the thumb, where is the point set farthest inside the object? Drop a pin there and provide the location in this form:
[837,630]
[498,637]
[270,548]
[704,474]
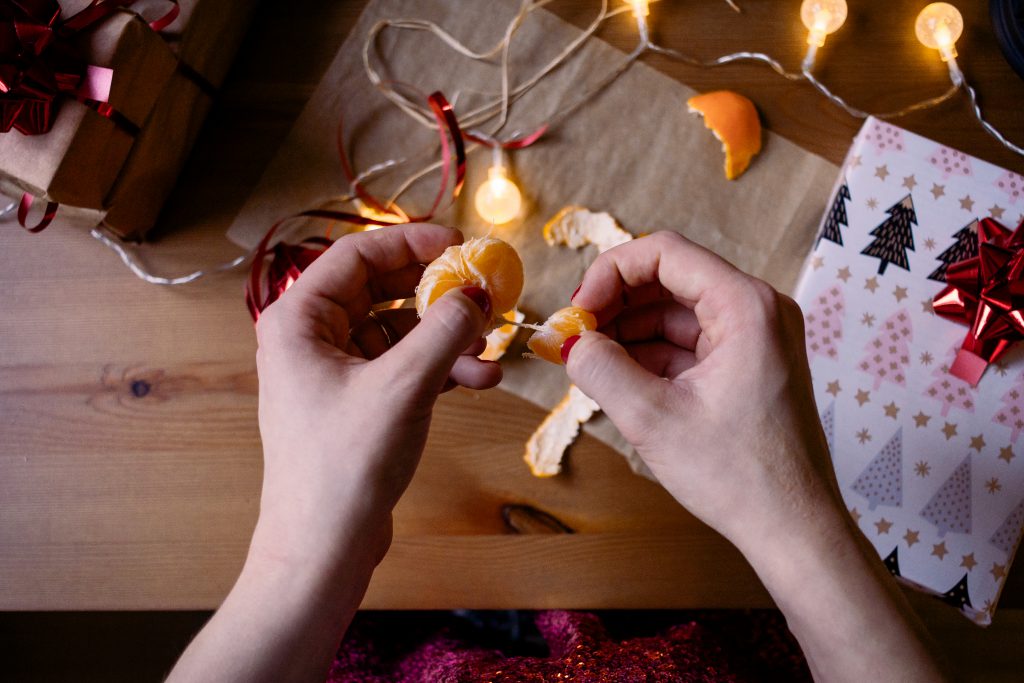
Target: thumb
[605,372]
[447,328]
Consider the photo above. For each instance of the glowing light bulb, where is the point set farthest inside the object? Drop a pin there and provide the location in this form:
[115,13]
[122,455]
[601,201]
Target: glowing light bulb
[640,8]
[938,26]
[498,200]
[822,17]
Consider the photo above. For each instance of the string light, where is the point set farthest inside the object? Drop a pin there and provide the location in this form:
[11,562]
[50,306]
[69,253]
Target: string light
[822,18]
[640,8]
[498,200]
[938,26]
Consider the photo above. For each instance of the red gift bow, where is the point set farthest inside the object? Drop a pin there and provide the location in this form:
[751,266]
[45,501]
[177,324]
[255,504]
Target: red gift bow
[987,293]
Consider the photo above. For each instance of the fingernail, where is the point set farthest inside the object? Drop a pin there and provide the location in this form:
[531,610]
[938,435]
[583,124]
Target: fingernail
[567,347]
[480,297]
[575,292]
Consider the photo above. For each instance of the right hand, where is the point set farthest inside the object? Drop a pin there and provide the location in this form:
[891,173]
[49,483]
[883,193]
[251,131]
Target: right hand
[702,368]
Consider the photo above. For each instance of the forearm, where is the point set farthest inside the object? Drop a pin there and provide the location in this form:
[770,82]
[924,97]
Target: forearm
[283,619]
[848,614]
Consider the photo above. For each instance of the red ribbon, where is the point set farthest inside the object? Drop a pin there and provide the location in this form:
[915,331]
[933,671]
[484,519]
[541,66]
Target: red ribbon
[986,292]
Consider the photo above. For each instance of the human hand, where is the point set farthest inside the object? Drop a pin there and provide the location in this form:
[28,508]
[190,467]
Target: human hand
[346,398]
[703,370]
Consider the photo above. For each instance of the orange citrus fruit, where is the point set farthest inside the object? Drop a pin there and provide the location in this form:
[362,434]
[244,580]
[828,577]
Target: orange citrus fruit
[485,262]
[733,119]
[547,341]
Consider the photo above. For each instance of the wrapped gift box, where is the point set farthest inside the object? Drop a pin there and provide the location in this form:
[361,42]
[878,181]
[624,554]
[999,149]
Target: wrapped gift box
[163,83]
[931,468]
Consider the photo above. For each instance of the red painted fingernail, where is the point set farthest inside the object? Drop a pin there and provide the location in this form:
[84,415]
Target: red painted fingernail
[480,297]
[567,347]
[575,292]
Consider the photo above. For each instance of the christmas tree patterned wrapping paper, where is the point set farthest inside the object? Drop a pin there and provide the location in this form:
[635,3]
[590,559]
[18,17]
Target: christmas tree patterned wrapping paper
[931,468]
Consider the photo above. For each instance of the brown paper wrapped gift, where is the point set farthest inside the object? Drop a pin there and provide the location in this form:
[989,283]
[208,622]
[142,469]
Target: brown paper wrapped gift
[79,159]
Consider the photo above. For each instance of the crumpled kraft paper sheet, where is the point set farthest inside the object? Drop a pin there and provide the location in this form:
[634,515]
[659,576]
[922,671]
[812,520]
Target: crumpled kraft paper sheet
[632,151]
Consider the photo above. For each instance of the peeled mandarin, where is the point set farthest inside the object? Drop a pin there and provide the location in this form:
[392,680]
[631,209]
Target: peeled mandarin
[547,342]
[485,262]
[734,121]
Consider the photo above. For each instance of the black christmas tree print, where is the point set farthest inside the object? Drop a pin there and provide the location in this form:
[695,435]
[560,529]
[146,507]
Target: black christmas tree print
[892,562]
[881,482]
[957,595]
[950,507]
[965,247]
[828,424]
[894,236]
[1006,536]
[836,217]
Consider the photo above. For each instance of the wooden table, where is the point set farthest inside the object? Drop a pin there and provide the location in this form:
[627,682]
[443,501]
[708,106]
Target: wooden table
[129,450]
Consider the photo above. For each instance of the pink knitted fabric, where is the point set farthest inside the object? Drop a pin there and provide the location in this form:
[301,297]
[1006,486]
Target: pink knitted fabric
[579,649]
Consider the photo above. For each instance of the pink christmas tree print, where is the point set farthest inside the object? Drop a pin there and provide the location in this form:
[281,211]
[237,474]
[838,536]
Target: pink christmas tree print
[950,507]
[885,137]
[1007,535]
[952,391]
[951,162]
[1012,413]
[1012,184]
[881,482]
[825,323]
[889,353]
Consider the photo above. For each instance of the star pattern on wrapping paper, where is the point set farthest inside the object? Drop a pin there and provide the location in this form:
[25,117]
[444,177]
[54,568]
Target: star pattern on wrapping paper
[910,182]
[855,514]
[833,388]
[996,212]
[967,204]
[939,550]
[843,273]
[868,320]
[993,485]
[968,561]
[949,430]
[998,571]
[871,203]
[937,190]
[922,469]
[911,538]
[864,435]
[1006,454]
[862,397]
[871,284]
[927,308]
[978,442]
[883,525]
[929,244]
[891,410]
[817,262]
[855,161]
[882,172]
[926,358]
[921,420]
[900,293]
[1000,367]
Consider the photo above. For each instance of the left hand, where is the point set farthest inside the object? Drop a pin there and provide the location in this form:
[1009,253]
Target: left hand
[345,399]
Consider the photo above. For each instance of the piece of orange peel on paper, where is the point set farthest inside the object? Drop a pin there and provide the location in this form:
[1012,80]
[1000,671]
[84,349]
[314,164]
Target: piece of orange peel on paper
[734,121]
[557,432]
[577,227]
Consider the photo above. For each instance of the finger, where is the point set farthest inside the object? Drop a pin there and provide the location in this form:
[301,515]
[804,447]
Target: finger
[666,319]
[662,358]
[476,348]
[349,271]
[695,277]
[474,373]
[605,372]
[448,327]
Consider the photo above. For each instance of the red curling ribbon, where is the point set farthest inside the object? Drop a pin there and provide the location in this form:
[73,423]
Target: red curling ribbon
[986,292]
[48,213]
[515,143]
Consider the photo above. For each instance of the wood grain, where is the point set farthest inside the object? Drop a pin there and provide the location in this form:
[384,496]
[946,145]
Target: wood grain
[129,451]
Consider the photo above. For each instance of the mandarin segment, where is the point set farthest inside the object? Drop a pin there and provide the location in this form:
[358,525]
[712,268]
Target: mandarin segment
[547,341]
[485,262]
[734,121]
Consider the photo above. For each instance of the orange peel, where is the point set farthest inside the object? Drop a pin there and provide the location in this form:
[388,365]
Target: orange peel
[576,227]
[734,121]
[500,338]
[546,342]
[546,447]
[485,262]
